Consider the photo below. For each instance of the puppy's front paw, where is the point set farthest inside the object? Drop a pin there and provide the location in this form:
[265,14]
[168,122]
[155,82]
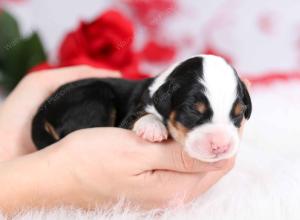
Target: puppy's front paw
[150,128]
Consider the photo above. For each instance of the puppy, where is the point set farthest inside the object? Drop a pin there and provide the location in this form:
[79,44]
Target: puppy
[199,102]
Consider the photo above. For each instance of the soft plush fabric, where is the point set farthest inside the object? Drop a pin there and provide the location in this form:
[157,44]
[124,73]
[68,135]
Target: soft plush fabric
[265,183]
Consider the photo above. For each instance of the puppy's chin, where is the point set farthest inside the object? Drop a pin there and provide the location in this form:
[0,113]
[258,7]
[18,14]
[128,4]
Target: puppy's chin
[211,143]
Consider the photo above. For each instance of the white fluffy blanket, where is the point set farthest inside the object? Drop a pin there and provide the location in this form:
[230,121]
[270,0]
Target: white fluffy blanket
[265,183]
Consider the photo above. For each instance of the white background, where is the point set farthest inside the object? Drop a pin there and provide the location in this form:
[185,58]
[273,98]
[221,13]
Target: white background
[236,31]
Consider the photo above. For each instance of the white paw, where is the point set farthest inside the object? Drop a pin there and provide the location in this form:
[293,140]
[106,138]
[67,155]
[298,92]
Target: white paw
[150,128]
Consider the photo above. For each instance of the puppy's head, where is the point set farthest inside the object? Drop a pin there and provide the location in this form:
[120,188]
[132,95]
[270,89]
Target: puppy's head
[203,102]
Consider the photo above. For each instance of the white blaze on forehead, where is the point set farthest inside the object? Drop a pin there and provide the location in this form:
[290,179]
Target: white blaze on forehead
[220,83]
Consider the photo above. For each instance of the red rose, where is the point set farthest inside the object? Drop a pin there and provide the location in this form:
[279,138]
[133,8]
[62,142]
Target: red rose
[105,42]
[41,66]
[156,52]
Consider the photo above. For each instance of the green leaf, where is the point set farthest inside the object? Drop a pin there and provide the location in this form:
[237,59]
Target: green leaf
[9,33]
[34,51]
[20,59]
[17,55]
[1,75]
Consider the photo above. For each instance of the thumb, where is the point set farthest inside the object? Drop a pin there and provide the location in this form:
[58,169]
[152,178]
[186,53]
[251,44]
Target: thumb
[171,156]
[60,76]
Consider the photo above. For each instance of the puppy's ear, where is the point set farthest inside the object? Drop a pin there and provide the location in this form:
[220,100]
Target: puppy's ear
[162,98]
[246,100]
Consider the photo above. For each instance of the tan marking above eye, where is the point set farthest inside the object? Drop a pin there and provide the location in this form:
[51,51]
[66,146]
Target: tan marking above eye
[51,130]
[239,109]
[201,107]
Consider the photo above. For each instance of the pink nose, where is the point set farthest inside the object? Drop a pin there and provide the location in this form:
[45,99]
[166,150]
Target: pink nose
[219,143]
[219,149]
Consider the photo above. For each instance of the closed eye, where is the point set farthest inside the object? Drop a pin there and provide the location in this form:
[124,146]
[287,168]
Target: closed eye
[200,107]
[190,117]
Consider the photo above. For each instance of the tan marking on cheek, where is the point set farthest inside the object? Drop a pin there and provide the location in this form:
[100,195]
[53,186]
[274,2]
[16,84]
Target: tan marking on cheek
[238,109]
[51,130]
[176,129]
[201,107]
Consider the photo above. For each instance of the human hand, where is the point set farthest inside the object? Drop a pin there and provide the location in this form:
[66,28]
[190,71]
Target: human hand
[106,164]
[111,163]
[100,170]
[20,106]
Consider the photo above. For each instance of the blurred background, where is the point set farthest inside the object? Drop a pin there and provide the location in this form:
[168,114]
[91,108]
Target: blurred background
[258,37]
[142,37]
[261,38]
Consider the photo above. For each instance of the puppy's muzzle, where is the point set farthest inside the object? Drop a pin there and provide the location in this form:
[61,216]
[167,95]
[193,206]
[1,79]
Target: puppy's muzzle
[212,142]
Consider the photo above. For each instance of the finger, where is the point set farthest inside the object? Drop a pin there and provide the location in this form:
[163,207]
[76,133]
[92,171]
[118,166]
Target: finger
[58,77]
[203,184]
[171,156]
[173,189]
[43,83]
[167,155]
[80,71]
[210,179]
[166,189]
[189,186]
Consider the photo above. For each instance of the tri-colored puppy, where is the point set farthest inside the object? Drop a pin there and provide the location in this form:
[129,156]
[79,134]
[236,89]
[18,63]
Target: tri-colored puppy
[199,102]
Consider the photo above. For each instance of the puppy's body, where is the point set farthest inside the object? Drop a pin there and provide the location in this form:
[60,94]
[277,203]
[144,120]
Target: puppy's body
[89,103]
[199,102]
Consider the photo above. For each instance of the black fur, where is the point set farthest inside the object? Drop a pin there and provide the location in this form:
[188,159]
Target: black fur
[88,103]
[243,97]
[117,102]
[246,99]
[180,93]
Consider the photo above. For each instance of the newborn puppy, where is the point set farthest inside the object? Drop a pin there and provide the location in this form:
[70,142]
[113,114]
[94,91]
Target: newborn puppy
[199,102]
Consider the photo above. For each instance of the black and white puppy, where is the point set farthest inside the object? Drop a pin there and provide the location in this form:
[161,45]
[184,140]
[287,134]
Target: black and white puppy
[199,102]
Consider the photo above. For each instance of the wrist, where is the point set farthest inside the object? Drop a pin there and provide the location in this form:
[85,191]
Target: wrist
[71,154]
[37,180]
[12,147]
[8,149]
[74,189]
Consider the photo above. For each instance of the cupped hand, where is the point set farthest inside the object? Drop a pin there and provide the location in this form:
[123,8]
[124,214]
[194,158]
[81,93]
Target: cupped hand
[107,164]
[20,106]
[101,165]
